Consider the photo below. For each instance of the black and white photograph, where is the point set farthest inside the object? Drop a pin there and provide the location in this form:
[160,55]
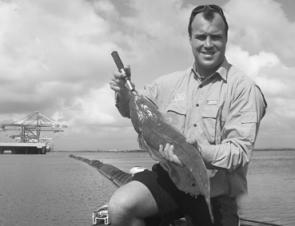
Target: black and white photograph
[147,112]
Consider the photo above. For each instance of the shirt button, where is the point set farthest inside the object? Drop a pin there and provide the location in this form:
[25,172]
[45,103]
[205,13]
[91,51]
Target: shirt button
[195,125]
[201,86]
[197,105]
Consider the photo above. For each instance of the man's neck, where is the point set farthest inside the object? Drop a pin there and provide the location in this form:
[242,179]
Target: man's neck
[205,72]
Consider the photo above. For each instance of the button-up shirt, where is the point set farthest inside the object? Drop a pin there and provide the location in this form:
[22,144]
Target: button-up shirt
[219,114]
[222,112]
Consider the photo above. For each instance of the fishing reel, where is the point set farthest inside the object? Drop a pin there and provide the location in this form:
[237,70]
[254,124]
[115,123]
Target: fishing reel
[101,216]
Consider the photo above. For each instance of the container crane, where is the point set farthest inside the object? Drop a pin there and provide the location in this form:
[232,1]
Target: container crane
[29,139]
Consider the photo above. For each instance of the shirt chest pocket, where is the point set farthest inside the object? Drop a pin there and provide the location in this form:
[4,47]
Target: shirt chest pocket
[175,115]
[209,119]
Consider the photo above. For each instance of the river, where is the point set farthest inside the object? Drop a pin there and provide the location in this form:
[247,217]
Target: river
[54,189]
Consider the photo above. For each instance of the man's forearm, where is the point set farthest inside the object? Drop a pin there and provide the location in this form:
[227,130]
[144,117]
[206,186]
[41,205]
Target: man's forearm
[122,103]
[226,155]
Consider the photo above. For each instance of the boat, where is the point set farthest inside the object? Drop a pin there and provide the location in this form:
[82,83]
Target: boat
[119,177]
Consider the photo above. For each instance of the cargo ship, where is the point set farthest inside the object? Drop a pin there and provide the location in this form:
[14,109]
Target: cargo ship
[28,139]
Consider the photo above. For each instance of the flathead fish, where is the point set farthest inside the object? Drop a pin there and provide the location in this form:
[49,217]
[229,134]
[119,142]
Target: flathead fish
[154,131]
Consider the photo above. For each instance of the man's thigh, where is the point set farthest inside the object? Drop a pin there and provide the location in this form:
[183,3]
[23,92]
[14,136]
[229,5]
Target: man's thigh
[135,197]
[163,190]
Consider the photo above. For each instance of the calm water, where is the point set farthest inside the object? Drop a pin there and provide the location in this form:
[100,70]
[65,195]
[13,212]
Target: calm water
[54,189]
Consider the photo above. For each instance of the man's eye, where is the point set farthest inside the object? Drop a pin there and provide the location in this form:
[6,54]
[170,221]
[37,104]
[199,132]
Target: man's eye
[200,37]
[216,37]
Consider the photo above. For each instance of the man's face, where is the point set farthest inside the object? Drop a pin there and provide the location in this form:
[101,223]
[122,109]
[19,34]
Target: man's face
[208,42]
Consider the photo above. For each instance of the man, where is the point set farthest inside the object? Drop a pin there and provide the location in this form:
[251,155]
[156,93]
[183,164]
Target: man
[212,104]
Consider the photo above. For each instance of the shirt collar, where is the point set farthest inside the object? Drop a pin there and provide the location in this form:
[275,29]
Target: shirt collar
[222,71]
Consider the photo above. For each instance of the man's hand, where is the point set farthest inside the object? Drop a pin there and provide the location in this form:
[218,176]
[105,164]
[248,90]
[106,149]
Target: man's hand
[122,94]
[168,154]
[118,82]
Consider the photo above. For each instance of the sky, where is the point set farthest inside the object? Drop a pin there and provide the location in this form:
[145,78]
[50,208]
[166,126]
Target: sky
[55,59]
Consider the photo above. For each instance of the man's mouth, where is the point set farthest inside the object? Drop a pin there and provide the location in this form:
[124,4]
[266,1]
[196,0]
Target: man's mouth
[208,54]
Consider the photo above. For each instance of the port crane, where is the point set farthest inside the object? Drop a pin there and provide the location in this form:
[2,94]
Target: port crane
[29,139]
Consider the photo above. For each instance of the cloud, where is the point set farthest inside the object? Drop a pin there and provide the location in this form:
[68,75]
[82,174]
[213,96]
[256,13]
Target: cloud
[50,51]
[55,58]
[104,7]
[259,67]
[96,107]
[65,45]
[251,64]
[276,81]
[261,25]
[261,44]
[142,36]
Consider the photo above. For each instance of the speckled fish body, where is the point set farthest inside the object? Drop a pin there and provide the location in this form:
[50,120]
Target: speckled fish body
[153,131]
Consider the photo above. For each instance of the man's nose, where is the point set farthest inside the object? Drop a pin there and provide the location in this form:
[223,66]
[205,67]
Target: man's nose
[208,42]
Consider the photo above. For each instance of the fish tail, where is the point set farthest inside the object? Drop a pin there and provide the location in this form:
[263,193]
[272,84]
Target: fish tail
[210,209]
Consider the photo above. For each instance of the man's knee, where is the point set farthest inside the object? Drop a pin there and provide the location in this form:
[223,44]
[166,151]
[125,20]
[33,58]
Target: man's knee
[120,203]
[131,202]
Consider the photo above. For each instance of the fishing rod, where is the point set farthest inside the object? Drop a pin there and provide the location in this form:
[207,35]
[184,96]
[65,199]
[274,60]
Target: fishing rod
[121,69]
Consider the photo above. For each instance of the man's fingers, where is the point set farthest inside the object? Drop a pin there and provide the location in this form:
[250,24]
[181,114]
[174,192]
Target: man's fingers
[114,86]
[119,75]
[161,150]
[169,151]
[164,152]
[117,83]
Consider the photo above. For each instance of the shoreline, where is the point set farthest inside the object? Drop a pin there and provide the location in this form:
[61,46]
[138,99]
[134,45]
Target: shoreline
[139,150]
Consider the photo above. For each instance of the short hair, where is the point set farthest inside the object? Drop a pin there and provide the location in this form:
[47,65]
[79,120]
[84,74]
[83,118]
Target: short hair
[208,13]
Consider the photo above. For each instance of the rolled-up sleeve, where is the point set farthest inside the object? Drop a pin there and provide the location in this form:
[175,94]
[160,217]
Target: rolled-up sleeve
[239,130]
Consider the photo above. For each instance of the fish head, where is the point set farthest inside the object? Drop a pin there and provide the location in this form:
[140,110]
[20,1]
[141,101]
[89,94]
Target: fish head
[136,114]
[146,108]
[141,110]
